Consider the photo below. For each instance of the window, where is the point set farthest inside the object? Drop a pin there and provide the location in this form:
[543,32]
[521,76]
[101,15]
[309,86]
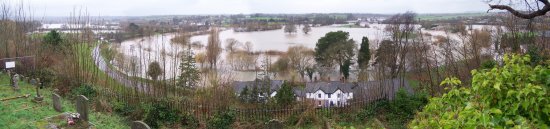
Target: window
[319,95]
[339,95]
[319,102]
[329,95]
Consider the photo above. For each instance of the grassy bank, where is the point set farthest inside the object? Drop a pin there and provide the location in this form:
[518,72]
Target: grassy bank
[22,113]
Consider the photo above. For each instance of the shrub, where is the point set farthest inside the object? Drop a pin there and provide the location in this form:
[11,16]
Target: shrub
[47,76]
[86,90]
[511,96]
[489,64]
[396,112]
[189,121]
[160,113]
[222,120]
[122,108]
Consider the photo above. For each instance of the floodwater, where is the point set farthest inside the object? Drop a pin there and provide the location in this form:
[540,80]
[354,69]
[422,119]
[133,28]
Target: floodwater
[159,48]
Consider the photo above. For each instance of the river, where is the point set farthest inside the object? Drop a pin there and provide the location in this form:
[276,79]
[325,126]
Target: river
[160,48]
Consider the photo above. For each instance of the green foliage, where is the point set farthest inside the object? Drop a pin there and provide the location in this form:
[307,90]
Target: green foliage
[395,112]
[46,76]
[122,108]
[244,95]
[189,121]
[154,70]
[189,74]
[53,38]
[285,96]
[536,56]
[161,113]
[86,90]
[334,47]
[344,69]
[364,53]
[489,64]
[511,96]
[23,114]
[222,120]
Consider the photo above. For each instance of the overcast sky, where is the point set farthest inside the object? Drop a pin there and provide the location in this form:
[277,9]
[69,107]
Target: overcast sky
[185,7]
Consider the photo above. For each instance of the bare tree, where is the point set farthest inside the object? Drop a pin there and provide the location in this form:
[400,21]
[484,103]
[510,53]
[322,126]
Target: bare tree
[533,8]
[300,58]
[213,49]
[231,44]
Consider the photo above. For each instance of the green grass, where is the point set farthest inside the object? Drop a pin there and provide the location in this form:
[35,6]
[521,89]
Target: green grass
[22,113]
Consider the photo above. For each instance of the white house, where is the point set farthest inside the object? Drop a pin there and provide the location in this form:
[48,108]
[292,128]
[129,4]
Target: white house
[329,94]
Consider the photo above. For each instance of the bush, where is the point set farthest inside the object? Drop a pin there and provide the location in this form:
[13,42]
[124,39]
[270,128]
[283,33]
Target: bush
[86,90]
[47,76]
[161,113]
[489,64]
[396,112]
[122,108]
[222,120]
[511,96]
[189,121]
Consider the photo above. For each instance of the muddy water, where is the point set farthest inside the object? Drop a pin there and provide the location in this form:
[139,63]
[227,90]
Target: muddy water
[160,48]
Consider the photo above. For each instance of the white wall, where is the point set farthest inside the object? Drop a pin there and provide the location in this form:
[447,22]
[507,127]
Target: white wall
[344,97]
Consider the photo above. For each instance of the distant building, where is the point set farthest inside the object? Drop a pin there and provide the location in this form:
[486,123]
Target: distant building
[329,94]
[266,88]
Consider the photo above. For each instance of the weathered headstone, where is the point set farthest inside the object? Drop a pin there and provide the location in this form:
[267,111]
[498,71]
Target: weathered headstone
[82,107]
[139,125]
[15,81]
[274,124]
[57,102]
[38,98]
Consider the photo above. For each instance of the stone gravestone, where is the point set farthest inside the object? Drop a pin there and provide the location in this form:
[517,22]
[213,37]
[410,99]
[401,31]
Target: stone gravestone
[57,102]
[15,81]
[38,98]
[139,125]
[82,107]
[274,124]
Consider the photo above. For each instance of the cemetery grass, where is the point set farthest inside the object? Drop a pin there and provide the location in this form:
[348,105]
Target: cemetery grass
[22,113]
[92,73]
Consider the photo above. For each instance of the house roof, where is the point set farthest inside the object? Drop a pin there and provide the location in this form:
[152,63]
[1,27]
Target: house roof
[329,87]
[383,88]
[274,85]
[299,92]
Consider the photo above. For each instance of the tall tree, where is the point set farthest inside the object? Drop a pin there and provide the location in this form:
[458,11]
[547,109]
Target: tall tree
[53,39]
[334,48]
[290,28]
[306,28]
[300,58]
[344,69]
[154,70]
[189,74]
[363,57]
[285,96]
[213,49]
